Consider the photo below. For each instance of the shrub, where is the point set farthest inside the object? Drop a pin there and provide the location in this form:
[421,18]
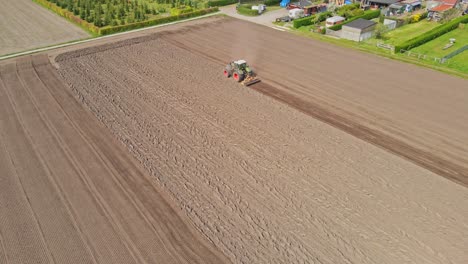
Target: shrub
[247,10]
[432,34]
[212,3]
[300,22]
[157,21]
[415,18]
[380,31]
[370,14]
[272,2]
[346,9]
[178,11]
[322,16]
[317,18]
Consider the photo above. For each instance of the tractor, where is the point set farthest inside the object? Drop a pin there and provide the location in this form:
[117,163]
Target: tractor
[241,72]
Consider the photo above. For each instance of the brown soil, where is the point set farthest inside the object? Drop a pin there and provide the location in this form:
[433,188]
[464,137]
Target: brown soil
[69,192]
[265,182]
[416,113]
[25,25]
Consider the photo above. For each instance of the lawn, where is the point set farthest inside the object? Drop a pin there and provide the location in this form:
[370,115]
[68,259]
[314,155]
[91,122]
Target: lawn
[409,31]
[435,47]
[457,65]
[459,62]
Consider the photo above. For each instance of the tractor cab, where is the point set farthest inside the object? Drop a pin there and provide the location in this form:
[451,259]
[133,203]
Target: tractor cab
[241,72]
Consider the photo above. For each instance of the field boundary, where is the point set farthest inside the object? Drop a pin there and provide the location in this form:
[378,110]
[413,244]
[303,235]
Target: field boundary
[29,52]
[106,30]
[89,27]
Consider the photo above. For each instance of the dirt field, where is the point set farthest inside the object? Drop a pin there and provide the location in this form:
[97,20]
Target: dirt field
[70,192]
[265,182]
[25,25]
[414,112]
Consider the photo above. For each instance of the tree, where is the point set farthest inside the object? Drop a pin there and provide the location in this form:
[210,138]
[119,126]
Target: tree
[380,31]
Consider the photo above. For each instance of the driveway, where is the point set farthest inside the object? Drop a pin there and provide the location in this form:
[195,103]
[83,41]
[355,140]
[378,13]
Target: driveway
[266,18]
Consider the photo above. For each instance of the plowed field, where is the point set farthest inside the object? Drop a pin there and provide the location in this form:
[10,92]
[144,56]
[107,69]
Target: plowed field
[69,192]
[267,183]
[25,25]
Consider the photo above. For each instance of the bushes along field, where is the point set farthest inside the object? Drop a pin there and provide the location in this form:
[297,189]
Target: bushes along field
[176,14]
[157,21]
[432,34]
[221,2]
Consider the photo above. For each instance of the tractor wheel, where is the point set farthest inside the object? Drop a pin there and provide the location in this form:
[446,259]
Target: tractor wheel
[238,76]
[227,73]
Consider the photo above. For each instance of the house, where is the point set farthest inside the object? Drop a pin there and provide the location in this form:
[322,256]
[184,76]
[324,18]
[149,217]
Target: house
[308,7]
[437,8]
[377,3]
[402,7]
[441,5]
[358,30]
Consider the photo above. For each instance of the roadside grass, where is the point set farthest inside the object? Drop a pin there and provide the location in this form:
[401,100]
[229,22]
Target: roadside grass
[273,8]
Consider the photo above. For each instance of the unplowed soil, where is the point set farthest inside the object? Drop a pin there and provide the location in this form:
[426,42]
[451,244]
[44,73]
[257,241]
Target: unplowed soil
[71,193]
[267,183]
[25,25]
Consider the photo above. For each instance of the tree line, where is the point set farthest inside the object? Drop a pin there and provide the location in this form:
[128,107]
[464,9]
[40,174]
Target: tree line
[118,12]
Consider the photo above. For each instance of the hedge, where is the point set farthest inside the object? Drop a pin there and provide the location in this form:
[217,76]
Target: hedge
[220,2]
[247,10]
[305,21]
[157,21]
[370,14]
[432,34]
[300,22]
[272,2]
[69,16]
[179,11]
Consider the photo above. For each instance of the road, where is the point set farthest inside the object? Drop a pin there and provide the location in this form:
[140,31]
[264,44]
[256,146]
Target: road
[265,19]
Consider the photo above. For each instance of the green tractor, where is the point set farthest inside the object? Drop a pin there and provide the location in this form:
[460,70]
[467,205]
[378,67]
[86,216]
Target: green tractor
[241,72]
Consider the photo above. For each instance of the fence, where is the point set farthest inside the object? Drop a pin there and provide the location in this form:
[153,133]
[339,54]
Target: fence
[386,46]
[455,53]
[422,56]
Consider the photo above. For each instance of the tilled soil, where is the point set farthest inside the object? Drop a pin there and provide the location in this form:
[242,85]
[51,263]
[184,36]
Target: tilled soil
[70,192]
[264,182]
[414,112]
[25,25]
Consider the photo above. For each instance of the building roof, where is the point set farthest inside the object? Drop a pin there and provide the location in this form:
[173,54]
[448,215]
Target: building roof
[448,2]
[384,2]
[303,3]
[360,23]
[335,19]
[396,6]
[442,8]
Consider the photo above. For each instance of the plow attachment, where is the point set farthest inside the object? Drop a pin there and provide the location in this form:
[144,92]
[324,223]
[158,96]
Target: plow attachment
[250,80]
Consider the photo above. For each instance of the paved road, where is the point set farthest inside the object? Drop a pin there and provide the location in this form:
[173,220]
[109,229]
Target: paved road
[264,19]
